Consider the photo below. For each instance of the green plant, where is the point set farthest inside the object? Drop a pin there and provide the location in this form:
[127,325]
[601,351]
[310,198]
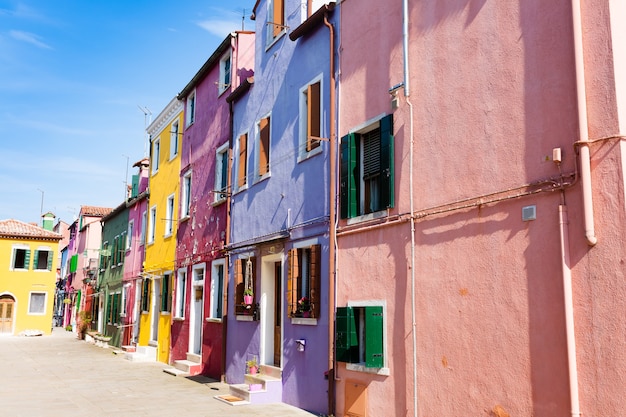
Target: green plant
[248,291]
[252,365]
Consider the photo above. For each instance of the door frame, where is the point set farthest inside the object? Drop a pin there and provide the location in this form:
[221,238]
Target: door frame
[196,309]
[267,305]
[13,301]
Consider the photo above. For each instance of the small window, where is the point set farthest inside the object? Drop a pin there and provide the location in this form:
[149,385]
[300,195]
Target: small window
[144,222]
[125,292]
[276,19]
[217,289]
[221,173]
[198,273]
[37,303]
[156,155]
[360,336]
[366,182]
[166,293]
[105,255]
[129,235]
[113,308]
[225,73]
[242,161]
[21,258]
[263,146]
[181,285]
[310,118]
[185,210]
[245,277]
[303,282]
[190,110]
[169,214]
[152,224]
[145,295]
[174,134]
[43,260]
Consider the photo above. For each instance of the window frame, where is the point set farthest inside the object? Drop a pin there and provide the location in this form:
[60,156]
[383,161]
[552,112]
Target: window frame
[180,294]
[308,146]
[146,292]
[239,283]
[26,262]
[152,224]
[190,109]
[352,197]
[304,269]
[185,198]
[217,290]
[174,133]
[221,173]
[225,81]
[169,215]
[49,258]
[30,303]
[263,145]
[241,182]
[275,22]
[129,234]
[166,293]
[156,155]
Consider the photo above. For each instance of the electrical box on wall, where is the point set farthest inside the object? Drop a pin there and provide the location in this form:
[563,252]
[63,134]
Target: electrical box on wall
[529,213]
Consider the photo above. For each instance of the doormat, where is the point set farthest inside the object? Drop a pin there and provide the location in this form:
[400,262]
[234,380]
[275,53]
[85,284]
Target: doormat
[231,399]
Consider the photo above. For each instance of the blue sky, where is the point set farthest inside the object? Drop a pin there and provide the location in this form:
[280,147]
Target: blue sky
[73,76]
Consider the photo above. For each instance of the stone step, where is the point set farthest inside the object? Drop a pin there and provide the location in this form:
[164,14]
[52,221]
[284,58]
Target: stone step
[175,372]
[192,357]
[188,366]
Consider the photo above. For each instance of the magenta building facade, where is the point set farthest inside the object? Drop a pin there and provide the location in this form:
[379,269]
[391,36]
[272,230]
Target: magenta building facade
[201,266]
[480,242]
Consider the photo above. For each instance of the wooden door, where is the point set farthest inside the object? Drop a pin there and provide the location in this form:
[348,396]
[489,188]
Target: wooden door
[277,313]
[6,314]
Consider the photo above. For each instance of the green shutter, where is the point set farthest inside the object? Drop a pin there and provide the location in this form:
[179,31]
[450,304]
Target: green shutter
[347,341]
[374,337]
[386,162]
[73,263]
[348,175]
[135,185]
[27,259]
[35,260]
[50,257]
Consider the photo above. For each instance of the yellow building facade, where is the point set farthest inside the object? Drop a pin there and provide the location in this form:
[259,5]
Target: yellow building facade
[162,220]
[28,264]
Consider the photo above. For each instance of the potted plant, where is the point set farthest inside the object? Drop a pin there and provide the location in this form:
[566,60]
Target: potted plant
[84,322]
[253,366]
[247,296]
[304,307]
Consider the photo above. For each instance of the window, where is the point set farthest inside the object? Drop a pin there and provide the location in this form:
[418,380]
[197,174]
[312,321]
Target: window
[42,260]
[181,285]
[225,73]
[276,19]
[156,155]
[190,110]
[306,12]
[242,160]
[152,225]
[169,221]
[113,308]
[37,303]
[105,254]
[174,140]
[221,172]
[367,169]
[21,258]
[166,293]
[129,235]
[125,291]
[198,274]
[263,146]
[303,282]
[145,295]
[217,289]
[310,117]
[360,336]
[144,221]
[185,210]
[122,249]
[245,277]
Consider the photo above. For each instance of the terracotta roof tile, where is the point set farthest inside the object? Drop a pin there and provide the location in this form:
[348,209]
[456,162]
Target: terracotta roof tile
[95,211]
[16,229]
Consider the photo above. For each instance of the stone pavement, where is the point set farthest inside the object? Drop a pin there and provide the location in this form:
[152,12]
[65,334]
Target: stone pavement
[61,376]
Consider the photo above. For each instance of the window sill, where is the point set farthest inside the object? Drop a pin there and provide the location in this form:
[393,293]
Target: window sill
[362,368]
[241,189]
[244,318]
[178,319]
[166,313]
[275,40]
[167,236]
[365,217]
[185,218]
[308,155]
[304,321]
[262,178]
[218,202]
[212,320]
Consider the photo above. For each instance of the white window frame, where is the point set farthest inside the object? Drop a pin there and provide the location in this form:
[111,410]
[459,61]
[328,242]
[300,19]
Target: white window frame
[144,222]
[185,200]
[30,303]
[174,133]
[156,155]
[13,252]
[40,249]
[125,290]
[129,235]
[271,39]
[303,154]
[190,109]
[216,314]
[181,293]
[360,367]
[225,80]
[169,216]
[152,224]
[219,170]
[236,157]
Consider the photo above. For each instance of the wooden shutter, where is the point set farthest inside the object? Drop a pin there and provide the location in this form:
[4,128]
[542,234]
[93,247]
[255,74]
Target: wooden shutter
[243,160]
[374,337]
[293,275]
[264,146]
[315,278]
[348,175]
[50,258]
[239,285]
[135,186]
[386,163]
[27,259]
[35,261]
[278,16]
[347,348]
[313,116]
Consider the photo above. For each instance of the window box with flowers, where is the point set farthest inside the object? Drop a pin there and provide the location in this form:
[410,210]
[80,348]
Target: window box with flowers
[303,284]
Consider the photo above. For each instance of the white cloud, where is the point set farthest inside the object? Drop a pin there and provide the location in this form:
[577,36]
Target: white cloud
[29,38]
[220,27]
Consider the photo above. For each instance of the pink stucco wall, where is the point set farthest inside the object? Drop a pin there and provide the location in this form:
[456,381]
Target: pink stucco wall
[493,91]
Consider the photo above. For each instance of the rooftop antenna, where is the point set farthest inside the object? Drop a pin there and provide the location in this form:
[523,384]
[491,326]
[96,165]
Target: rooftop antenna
[243,18]
[126,177]
[147,119]
[41,208]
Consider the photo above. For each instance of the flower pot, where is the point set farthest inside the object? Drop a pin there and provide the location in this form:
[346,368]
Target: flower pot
[306,314]
[253,370]
[247,299]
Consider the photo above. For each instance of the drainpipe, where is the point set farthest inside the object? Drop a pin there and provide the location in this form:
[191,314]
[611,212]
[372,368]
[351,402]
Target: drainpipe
[407,94]
[569,312]
[332,228]
[581,96]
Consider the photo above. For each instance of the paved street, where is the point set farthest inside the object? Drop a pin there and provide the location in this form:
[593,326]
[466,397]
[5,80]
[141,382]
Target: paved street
[60,376]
